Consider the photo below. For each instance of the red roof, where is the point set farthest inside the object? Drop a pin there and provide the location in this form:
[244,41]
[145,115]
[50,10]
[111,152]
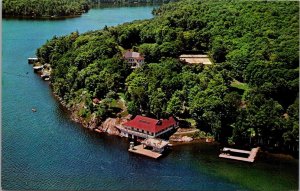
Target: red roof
[149,124]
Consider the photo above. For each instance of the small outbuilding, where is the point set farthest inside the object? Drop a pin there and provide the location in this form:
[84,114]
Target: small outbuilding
[157,145]
[96,101]
[196,59]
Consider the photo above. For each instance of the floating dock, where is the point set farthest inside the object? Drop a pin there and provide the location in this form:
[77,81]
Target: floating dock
[139,149]
[38,68]
[252,154]
[150,147]
[32,60]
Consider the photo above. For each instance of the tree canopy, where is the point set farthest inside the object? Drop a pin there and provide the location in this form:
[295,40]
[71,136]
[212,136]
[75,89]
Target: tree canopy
[58,8]
[44,8]
[252,43]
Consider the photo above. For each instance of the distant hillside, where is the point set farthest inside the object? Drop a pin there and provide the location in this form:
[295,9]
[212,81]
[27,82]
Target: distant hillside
[249,96]
[131,1]
[57,8]
[44,8]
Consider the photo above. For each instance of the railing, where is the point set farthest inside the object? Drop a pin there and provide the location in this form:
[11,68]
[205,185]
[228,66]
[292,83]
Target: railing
[143,135]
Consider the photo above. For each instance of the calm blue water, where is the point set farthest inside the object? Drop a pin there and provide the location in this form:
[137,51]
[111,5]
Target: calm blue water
[46,150]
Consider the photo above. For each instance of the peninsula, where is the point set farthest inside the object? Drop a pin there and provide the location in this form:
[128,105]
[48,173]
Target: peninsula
[247,95]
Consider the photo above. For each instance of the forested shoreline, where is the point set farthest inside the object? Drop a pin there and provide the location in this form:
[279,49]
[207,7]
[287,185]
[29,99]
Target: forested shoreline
[249,96]
[44,8]
[60,8]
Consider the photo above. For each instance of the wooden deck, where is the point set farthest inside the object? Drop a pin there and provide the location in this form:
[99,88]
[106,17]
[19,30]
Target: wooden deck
[140,150]
[251,157]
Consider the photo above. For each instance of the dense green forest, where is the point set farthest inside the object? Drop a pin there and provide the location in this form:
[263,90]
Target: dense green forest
[58,8]
[44,8]
[248,96]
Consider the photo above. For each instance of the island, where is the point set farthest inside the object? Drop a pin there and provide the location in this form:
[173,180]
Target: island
[229,71]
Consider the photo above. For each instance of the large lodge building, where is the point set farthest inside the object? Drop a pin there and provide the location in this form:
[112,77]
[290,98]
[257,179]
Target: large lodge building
[145,127]
[134,58]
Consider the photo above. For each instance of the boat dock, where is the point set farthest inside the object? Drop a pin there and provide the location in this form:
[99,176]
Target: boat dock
[151,147]
[38,68]
[32,60]
[252,154]
[139,149]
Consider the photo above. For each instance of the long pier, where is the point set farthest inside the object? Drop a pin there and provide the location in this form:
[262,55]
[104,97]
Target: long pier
[139,149]
[250,158]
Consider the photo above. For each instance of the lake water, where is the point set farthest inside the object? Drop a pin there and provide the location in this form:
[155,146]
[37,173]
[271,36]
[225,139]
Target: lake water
[46,150]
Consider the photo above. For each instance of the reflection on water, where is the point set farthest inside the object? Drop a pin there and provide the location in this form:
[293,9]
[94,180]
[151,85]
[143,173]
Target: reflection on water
[46,150]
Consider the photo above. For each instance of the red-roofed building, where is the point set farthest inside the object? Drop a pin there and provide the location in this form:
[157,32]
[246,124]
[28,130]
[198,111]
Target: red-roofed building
[145,127]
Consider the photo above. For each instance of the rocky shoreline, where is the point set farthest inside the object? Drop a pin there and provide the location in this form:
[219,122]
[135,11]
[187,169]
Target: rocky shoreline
[181,136]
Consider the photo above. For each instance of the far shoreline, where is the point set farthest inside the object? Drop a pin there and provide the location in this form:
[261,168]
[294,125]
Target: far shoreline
[21,17]
[94,6]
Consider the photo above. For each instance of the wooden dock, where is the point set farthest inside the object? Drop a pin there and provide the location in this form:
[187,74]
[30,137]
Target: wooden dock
[250,158]
[139,149]
[37,68]
[98,130]
[32,60]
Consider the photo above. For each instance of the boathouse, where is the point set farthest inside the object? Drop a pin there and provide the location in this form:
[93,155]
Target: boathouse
[134,58]
[145,127]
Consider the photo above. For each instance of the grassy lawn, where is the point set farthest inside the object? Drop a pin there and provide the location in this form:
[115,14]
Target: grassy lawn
[121,103]
[192,121]
[241,86]
[121,96]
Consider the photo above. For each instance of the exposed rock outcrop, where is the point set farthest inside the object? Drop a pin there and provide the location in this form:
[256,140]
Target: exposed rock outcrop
[184,135]
[93,122]
[186,139]
[109,126]
[175,138]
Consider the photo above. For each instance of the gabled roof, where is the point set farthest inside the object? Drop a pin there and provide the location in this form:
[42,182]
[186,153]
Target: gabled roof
[129,54]
[149,124]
